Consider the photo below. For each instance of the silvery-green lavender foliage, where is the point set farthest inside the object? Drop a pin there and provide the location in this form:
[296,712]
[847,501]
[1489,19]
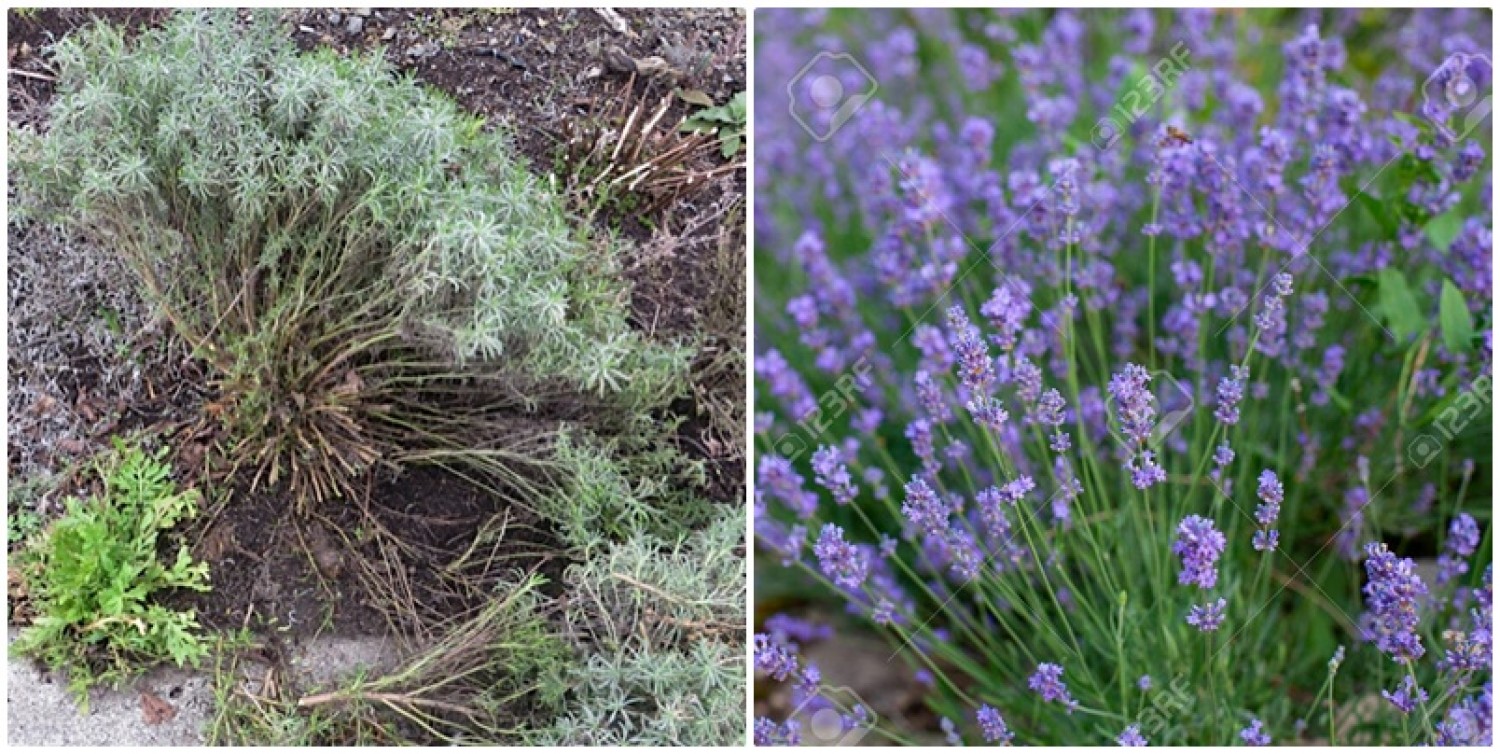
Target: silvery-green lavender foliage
[659,625]
[635,482]
[213,140]
[1118,366]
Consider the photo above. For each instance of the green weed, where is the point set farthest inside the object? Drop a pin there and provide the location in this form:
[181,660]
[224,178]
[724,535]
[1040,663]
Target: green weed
[91,576]
[727,121]
[20,525]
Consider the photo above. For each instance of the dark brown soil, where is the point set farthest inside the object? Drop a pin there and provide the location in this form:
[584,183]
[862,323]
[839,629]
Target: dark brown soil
[265,578]
[285,576]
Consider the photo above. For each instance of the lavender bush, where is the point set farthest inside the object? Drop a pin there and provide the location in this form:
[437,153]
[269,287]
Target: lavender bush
[1130,371]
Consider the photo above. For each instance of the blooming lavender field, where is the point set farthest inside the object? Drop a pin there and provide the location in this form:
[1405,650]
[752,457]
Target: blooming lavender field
[1128,373]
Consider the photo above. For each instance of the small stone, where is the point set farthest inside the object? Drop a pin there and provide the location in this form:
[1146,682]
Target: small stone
[335,18]
[364,12]
[354,25]
[390,33]
[655,65]
[619,61]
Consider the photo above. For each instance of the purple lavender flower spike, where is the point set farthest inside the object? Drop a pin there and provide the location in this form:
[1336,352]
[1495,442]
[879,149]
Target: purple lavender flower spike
[774,658]
[924,509]
[1474,650]
[1134,403]
[1047,682]
[992,726]
[830,472]
[1392,595]
[840,561]
[768,732]
[1006,311]
[1199,545]
[776,477]
[1463,540]
[1470,722]
[1231,391]
[975,369]
[1271,495]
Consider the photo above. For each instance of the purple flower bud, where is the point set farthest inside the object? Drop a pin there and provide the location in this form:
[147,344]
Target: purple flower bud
[989,413]
[1131,736]
[1407,696]
[1223,455]
[919,432]
[1255,735]
[1208,616]
[1144,471]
